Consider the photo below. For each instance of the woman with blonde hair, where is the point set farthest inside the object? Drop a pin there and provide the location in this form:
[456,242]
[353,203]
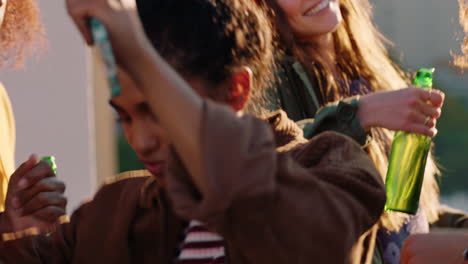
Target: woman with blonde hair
[334,56]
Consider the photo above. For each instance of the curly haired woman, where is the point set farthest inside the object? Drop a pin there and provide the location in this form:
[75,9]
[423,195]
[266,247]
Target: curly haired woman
[21,34]
[20,27]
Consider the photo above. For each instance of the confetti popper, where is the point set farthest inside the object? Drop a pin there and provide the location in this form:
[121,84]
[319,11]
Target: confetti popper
[408,161]
[101,40]
[51,161]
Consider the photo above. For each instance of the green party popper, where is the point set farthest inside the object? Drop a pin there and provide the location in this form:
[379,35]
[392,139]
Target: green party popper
[51,161]
[101,40]
[408,161]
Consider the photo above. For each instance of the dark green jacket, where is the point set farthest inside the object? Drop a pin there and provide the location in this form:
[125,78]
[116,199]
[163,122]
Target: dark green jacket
[294,93]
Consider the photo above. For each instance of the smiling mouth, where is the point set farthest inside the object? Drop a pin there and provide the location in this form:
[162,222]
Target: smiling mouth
[315,10]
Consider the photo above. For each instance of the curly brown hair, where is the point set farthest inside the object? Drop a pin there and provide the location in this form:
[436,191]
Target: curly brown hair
[21,34]
[211,39]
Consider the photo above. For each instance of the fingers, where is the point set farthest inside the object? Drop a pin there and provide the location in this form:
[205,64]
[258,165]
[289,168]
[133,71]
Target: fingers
[429,110]
[34,175]
[83,27]
[38,194]
[422,129]
[50,213]
[420,123]
[79,16]
[43,202]
[433,96]
[80,11]
[23,169]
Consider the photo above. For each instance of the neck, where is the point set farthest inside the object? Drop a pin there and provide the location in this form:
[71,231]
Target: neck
[324,46]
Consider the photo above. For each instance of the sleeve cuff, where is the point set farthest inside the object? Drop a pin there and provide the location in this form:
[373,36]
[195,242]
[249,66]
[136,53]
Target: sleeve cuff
[342,118]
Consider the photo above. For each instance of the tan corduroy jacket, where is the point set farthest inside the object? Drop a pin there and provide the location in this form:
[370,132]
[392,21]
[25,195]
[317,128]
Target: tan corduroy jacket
[272,195]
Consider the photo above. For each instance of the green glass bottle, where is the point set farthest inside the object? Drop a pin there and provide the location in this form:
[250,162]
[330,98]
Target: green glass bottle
[408,161]
[51,161]
[101,40]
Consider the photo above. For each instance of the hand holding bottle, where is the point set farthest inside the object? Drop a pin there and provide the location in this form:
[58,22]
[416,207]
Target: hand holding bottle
[120,17]
[35,197]
[407,161]
[402,110]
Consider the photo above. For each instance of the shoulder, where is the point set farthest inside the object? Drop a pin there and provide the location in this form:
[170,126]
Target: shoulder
[4,99]
[122,190]
[125,183]
[126,177]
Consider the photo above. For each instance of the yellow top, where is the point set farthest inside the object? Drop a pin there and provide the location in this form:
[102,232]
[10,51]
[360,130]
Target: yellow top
[7,143]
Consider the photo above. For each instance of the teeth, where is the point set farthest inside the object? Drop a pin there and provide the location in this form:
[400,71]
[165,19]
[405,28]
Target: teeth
[319,8]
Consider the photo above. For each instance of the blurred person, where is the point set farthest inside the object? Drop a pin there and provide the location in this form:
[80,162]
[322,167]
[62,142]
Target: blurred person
[38,201]
[336,69]
[19,28]
[462,60]
[436,248]
[253,191]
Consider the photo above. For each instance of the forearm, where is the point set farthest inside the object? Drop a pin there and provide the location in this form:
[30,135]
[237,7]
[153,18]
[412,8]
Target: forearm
[239,158]
[177,107]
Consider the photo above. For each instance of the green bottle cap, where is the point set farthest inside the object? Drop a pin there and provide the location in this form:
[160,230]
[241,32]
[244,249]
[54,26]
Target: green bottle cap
[423,78]
[51,161]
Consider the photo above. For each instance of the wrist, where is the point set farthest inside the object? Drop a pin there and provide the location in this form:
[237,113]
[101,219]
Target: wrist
[364,112]
[5,224]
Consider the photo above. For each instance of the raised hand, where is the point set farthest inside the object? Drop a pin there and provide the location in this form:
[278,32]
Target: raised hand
[121,20]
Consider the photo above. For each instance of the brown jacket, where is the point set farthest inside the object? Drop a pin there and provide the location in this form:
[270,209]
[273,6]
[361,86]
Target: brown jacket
[307,202]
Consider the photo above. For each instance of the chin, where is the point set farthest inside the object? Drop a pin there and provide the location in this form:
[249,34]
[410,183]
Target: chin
[329,25]
[323,24]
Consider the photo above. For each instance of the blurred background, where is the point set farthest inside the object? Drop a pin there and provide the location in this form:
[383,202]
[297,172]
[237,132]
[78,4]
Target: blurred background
[60,99]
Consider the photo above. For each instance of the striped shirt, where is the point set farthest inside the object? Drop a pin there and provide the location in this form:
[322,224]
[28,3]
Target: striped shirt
[201,246]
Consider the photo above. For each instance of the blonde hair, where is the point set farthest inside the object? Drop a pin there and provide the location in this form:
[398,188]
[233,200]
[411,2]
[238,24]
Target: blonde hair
[462,60]
[362,54]
[21,34]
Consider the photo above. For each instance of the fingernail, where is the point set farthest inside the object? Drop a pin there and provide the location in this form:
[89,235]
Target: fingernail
[32,160]
[23,183]
[16,202]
